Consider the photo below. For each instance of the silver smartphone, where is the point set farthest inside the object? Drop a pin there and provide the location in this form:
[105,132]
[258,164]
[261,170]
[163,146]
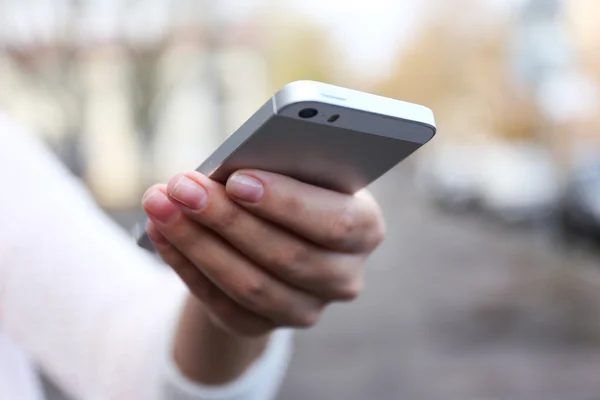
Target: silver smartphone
[325,135]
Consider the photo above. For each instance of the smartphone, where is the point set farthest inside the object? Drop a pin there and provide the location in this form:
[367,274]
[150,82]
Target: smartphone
[329,136]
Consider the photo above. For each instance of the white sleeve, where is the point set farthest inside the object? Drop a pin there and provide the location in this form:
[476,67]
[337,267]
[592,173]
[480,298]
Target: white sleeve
[92,309]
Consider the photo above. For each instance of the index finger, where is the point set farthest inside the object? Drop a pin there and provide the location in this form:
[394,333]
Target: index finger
[349,223]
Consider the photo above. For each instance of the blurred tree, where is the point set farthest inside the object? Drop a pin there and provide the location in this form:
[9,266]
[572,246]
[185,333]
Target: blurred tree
[295,48]
[584,31]
[582,25]
[457,65]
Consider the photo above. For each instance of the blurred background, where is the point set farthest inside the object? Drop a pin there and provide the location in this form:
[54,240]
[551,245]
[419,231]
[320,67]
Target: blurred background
[488,284]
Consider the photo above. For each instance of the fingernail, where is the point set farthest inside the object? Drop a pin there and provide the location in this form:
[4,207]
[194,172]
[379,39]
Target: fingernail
[189,193]
[158,206]
[245,187]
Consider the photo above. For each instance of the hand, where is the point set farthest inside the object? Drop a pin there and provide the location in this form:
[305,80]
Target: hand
[264,251]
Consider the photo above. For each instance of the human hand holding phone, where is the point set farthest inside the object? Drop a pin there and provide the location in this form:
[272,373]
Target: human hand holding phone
[264,250]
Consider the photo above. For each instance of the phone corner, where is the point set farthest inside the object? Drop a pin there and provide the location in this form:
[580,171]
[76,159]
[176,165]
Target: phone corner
[296,92]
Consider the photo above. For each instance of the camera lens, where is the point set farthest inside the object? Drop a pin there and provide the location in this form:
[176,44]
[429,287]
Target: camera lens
[308,113]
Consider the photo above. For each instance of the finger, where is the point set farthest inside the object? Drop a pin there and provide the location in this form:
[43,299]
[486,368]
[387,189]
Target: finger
[229,270]
[298,262]
[231,316]
[334,220]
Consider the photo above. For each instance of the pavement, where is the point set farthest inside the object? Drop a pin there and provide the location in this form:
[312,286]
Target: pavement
[456,307]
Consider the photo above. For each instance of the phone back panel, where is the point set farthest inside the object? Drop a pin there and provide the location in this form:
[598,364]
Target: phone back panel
[324,155]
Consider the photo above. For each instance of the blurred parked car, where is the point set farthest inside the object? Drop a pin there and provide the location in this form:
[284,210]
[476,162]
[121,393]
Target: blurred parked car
[579,216]
[513,181]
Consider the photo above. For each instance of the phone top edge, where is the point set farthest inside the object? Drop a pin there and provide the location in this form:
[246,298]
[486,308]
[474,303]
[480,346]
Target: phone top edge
[312,91]
[291,98]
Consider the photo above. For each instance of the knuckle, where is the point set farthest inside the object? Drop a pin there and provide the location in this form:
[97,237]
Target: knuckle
[293,205]
[184,236]
[359,226]
[252,292]
[377,231]
[307,319]
[345,225]
[350,290]
[287,261]
[226,220]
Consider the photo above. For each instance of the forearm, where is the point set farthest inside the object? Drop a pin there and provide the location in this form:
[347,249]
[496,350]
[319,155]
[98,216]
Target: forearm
[90,308]
[207,354]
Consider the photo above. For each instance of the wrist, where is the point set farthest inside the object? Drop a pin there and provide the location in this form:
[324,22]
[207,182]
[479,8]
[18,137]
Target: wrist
[206,352]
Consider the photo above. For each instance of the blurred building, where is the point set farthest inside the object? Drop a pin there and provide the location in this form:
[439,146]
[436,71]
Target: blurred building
[129,93]
[581,18]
